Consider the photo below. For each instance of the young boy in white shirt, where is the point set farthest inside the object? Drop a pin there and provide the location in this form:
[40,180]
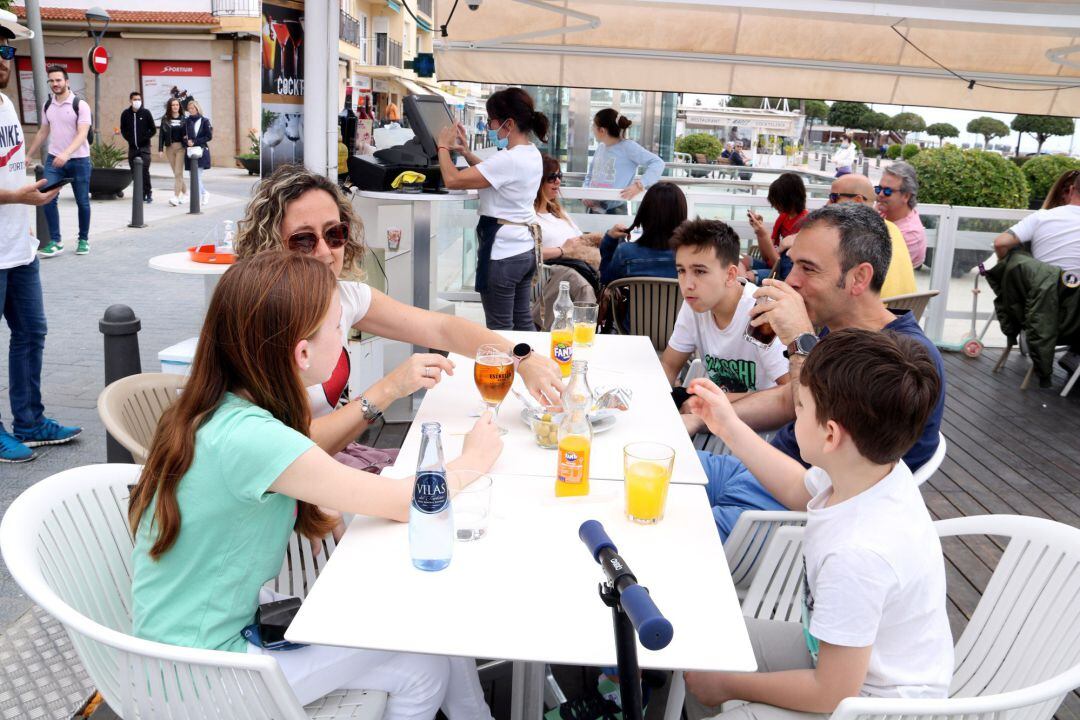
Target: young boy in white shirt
[874,617]
[712,321]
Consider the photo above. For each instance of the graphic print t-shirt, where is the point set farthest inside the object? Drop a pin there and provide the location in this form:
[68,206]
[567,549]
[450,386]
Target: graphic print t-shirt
[355,301]
[17,247]
[731,361]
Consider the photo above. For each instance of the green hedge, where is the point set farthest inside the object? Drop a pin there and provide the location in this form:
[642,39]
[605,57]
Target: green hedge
[951,176]
[894,151]
[1043,171]
[703,143]
[910,150]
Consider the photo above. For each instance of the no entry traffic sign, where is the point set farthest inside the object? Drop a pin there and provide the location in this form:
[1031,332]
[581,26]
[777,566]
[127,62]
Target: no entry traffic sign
[98,60]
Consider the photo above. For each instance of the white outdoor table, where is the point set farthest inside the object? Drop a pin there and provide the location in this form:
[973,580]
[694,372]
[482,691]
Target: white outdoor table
[528,590]
[624,360]
[182,263]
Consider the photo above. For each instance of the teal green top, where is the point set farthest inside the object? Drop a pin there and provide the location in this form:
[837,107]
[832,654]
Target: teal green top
[233,533]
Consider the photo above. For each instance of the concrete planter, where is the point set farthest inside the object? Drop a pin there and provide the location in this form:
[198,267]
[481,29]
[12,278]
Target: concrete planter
[109,183]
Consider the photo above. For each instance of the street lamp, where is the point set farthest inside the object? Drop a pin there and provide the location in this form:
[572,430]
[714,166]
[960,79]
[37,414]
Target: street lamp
[97,21]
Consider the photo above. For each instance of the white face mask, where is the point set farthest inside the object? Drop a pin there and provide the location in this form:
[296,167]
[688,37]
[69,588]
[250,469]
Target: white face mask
[136,104]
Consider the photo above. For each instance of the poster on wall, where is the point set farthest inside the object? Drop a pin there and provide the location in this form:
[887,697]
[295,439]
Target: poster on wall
[163,80]
[29,104]
[282,84]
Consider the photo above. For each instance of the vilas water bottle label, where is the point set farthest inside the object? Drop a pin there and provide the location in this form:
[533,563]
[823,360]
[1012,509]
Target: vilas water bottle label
[429,494]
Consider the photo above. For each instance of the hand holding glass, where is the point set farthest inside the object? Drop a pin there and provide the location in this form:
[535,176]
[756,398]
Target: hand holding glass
[647,475]
[493,373]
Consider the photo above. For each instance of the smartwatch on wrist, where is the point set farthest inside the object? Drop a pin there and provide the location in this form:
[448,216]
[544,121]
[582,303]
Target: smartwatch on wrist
[801,345]
[520,352]
[371,410]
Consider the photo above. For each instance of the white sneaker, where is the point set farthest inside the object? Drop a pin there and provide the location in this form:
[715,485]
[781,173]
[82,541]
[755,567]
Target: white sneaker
[204,200]
[175,201]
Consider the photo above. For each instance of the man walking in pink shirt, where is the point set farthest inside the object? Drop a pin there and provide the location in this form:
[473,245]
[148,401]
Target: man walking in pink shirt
[65,123]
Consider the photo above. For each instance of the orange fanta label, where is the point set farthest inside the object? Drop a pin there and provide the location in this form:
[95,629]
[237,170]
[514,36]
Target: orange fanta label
[572,475]
[562,349]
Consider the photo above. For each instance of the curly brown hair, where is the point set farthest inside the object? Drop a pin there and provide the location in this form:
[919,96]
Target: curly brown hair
[260,229]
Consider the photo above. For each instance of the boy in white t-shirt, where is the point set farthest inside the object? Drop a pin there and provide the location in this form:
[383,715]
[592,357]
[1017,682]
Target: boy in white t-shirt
[712,321]
[874,618]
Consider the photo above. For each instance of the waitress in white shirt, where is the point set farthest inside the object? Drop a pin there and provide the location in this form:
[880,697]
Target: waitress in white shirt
[508,233]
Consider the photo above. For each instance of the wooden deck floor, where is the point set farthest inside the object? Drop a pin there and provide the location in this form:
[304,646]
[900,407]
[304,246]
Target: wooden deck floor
[1009,451]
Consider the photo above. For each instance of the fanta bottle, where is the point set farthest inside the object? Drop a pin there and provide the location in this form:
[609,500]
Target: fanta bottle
[575,436]
[562,329]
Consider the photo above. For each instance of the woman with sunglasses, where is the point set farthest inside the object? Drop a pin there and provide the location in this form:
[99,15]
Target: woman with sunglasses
[508,235]
[561,235]
[232,473]
[616,161]
[304,212]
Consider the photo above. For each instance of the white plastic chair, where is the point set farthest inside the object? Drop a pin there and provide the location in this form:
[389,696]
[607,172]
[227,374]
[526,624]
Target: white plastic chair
[931,466]
[1019,655]
[66,542]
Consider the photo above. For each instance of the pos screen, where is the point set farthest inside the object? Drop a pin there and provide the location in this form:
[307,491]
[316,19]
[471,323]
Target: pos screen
[428,115]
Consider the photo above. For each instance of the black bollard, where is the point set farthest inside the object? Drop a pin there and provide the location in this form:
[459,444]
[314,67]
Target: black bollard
[823,160]
[196,191]
[137,194]
[866,166]
[42,223]
[877,161]
[121,330]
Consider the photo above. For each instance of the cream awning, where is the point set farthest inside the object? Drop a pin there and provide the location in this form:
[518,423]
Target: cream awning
[1029,50]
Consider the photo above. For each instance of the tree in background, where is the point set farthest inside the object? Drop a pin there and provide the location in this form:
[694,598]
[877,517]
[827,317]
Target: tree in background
[754,102]
[873,123]
[989,128]
[846,114]
[942,131]
[1042,128]
[815,111]
[906,122]
[700,144]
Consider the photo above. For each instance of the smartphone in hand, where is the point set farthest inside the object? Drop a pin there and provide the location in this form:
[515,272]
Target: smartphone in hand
[56,185]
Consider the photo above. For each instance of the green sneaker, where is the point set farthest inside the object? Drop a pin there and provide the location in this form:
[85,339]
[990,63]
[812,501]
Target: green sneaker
[51,249]
[83,248]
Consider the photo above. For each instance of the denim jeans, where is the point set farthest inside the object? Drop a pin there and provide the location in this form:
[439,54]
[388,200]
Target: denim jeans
[24,310]
[509,285]
[78,170]
[732,490]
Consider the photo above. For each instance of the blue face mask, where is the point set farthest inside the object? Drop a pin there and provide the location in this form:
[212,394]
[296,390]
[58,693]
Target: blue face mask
[499,142]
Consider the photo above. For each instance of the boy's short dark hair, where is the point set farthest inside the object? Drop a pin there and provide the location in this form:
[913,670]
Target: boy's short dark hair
[134,94]
[879,386]
[717,235]
[50,69]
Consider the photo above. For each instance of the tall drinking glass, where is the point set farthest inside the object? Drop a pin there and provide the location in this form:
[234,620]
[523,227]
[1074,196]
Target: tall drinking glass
[647,474]
[493,373]
[584,324]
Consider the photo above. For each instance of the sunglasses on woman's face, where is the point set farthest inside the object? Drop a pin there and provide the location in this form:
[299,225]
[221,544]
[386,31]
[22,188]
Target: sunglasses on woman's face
[306,241]
[6,52]
[885,191]
[553,177]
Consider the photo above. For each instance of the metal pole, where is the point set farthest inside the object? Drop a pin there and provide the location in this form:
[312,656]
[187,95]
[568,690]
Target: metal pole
[121,330]
[37,61]
[193,170]
[137,193]
[42,223]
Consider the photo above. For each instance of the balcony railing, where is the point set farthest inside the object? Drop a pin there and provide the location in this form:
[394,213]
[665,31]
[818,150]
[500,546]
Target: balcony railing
[426,7]
[350,31]
[387,51]
[235,8]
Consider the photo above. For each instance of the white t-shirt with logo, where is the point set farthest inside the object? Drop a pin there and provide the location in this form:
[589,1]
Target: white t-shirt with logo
[731,361]
[355,303]
[556,231]
[875,576]
[1054,236]
[17,245]
[514,175]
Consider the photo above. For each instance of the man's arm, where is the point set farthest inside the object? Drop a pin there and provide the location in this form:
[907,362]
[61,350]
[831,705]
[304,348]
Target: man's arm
[28,195]
[1005,242]
[673,361]
[80,137]
[124,132]
[769,409]
[39,137]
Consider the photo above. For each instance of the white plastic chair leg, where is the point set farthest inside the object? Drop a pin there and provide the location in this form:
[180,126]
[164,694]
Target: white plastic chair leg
[676,697]
[1072,381]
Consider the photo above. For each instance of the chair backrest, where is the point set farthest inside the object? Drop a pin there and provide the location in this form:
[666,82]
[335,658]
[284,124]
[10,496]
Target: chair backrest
[915,302]
[131,407]
[1019,654]
[931,466]
[652,304]
[749,540]
[66,543]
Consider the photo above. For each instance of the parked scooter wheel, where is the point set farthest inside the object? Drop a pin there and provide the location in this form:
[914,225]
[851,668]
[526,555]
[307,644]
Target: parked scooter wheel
[973,348]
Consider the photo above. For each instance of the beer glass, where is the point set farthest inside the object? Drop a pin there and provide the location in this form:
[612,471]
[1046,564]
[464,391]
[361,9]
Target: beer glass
[493,373]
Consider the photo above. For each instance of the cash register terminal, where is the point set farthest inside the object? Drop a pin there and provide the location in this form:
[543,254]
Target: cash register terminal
[427,116]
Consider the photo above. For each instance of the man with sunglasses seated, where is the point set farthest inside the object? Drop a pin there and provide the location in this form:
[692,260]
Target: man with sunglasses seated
[897,193]
[1054,234]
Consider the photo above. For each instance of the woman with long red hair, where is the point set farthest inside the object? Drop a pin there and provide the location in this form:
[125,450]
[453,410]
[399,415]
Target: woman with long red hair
[232,472]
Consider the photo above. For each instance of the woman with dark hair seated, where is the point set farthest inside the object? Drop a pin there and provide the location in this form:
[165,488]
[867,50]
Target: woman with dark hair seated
[787,195]
[661,211]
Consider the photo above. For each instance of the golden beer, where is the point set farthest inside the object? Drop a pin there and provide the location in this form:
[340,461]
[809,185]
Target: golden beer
[493,375]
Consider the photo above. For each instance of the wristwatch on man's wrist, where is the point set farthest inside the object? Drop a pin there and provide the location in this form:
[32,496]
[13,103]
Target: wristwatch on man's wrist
[371,410]
[520,352]
[801,345]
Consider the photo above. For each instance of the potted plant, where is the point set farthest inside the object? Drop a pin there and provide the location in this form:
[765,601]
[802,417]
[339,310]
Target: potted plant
[250,160]
[107,181]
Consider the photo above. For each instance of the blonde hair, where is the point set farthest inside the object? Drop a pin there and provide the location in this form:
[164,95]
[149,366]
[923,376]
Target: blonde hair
[260,229]
[196,104]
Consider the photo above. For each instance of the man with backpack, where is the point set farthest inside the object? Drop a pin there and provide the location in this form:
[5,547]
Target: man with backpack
[65,123]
